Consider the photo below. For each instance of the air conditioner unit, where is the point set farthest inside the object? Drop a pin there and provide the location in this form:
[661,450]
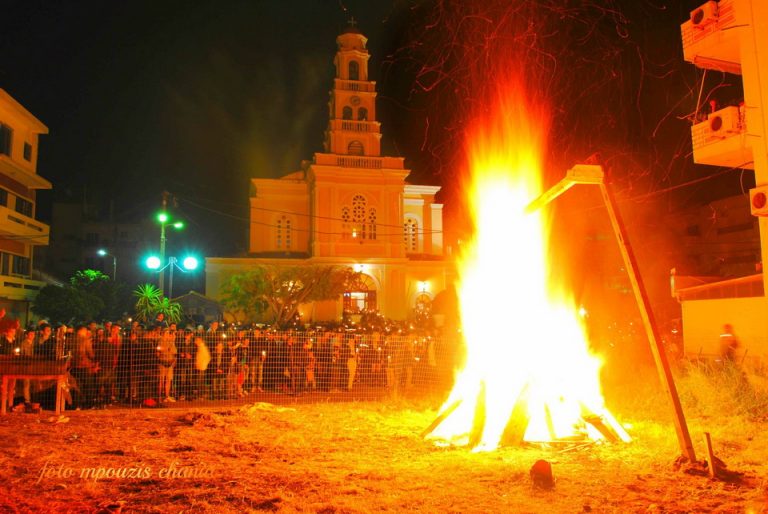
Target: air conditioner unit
[724,123]
[758,201]
[704,15]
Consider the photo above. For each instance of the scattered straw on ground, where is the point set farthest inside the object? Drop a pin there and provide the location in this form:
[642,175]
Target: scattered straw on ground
[357,457]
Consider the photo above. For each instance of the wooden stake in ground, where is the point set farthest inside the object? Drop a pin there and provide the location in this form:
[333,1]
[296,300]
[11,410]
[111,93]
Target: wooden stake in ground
[710,455]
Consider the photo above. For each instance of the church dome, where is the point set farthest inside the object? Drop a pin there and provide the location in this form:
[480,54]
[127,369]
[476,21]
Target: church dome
[351,38]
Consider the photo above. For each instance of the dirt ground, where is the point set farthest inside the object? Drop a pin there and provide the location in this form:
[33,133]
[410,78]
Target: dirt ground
[355,457]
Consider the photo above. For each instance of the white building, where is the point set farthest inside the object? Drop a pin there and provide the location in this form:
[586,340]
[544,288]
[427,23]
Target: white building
[731,36]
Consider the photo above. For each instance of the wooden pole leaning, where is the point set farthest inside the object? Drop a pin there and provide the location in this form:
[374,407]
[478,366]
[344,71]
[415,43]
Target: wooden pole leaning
[593,174]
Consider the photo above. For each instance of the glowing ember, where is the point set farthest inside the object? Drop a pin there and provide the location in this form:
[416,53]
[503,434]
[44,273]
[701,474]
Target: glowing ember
[535,379]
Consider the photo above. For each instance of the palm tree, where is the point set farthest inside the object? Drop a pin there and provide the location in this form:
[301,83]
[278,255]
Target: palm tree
[147,297]
[151,302]
[171,310]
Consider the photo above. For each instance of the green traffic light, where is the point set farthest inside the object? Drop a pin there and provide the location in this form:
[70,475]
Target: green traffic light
[162,217]
[178,225]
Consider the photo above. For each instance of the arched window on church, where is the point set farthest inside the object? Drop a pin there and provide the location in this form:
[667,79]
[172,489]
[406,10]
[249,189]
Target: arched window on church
[411,235]
[358,216]
[288,234]
[283,233]
[354,70]
[355,148]
[346,113]
[362,114]
[358,221]
[372,223]
[346,223]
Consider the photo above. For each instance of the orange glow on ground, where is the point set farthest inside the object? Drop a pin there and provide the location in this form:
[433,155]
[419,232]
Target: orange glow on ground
[524,336]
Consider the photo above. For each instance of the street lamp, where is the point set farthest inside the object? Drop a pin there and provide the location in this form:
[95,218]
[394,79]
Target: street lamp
[188,263]
[165,220]
[103,253]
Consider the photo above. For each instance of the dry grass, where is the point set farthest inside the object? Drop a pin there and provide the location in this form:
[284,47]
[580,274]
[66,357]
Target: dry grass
[368,457]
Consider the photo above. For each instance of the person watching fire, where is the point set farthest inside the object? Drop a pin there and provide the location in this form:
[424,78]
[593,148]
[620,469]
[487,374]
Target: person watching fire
[729,344]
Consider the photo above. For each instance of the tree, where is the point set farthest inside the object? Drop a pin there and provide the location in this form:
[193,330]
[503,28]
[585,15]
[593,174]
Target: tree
[66,304]
[150,302]
[279,290]
[113,295]
[89,295]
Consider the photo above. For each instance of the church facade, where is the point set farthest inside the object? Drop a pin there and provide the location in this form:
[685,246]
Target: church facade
[351,206]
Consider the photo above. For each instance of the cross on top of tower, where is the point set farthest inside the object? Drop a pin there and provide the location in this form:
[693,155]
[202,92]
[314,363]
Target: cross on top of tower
[351,27]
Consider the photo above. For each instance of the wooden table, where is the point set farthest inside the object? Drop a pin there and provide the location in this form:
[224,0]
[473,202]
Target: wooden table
[30,368]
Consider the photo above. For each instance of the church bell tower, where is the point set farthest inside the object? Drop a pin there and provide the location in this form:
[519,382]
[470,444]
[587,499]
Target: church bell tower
[352,128]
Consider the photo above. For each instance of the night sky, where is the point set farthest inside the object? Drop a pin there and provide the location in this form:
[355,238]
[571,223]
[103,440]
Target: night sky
[197,97]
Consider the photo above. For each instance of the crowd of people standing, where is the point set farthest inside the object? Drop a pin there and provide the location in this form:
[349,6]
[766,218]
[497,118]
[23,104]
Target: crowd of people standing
[162,363]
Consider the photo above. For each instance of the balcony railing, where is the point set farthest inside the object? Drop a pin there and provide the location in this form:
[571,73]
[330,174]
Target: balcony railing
[355,126]
[708,288]
[17,287]
[722,140]
[29,230]
[710,43]
[356,85]
[359,161]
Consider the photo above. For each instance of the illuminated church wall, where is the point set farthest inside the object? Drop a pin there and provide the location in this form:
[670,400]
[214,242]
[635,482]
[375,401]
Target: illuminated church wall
[349,206]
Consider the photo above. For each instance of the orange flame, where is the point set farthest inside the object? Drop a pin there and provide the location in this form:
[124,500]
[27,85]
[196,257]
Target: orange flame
[541,353]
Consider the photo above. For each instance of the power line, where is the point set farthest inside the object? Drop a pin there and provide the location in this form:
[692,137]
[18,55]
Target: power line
[689,183]
[322,232]
[311,216]
[418,231]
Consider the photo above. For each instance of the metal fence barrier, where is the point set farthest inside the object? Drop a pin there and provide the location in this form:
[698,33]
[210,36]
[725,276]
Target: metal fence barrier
[165,367]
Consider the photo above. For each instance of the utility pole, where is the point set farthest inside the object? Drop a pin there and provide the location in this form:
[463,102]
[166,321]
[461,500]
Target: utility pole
[163,221]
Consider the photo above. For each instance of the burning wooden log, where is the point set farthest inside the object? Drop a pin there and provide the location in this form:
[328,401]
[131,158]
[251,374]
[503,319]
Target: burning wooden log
[478,421]
[514,432]
[519,420]
[599,423]
[441,417]
[475,435]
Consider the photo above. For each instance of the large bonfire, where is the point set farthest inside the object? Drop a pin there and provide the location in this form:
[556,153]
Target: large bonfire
[536,379]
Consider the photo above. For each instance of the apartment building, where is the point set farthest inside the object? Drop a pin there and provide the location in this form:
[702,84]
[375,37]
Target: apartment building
[20,232]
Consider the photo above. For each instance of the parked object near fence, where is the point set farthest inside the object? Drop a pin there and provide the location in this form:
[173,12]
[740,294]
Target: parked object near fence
[14,368]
